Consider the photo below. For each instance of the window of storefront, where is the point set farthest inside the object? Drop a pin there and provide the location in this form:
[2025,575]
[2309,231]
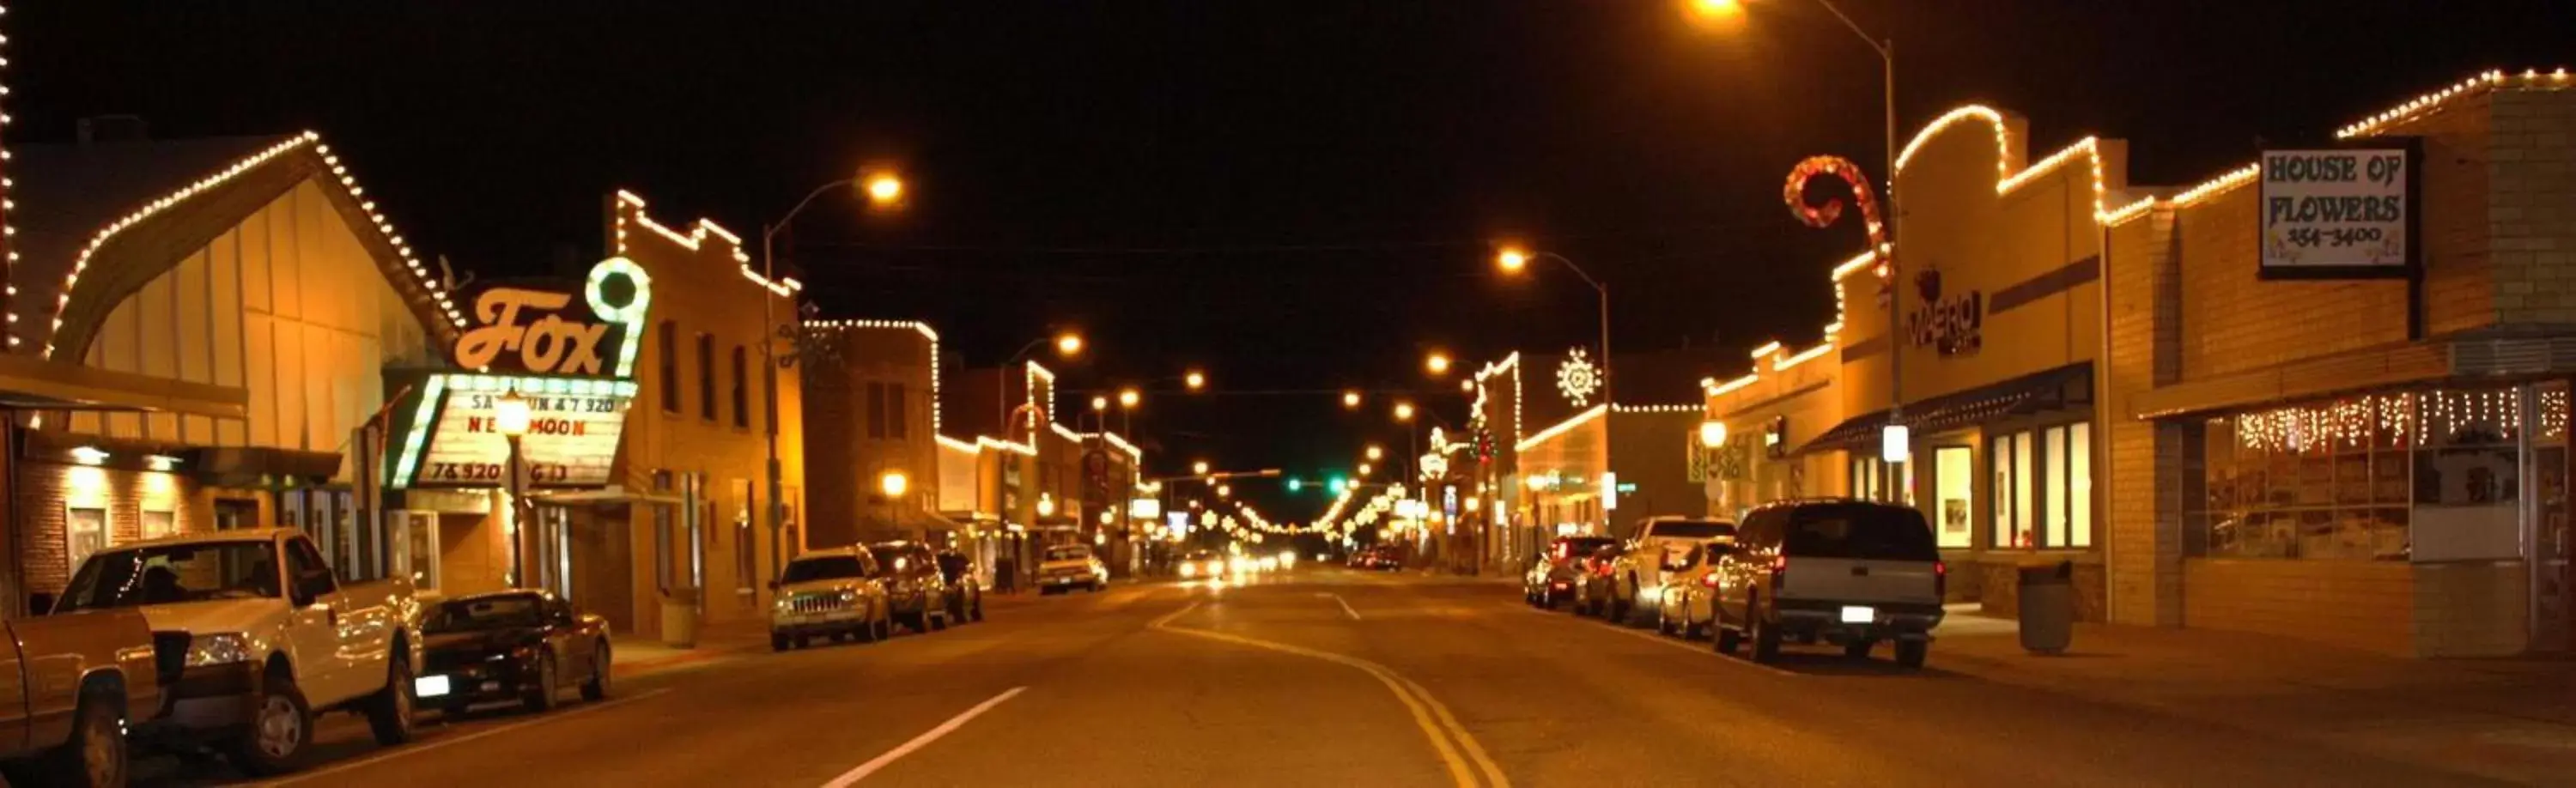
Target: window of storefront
[1954,478]
[2042,489]
[84,532]
[2427,476]
[1873,479]
[160,524]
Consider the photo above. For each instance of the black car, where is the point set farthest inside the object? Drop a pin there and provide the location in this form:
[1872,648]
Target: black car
[914,584]
[522,645]
[965,590]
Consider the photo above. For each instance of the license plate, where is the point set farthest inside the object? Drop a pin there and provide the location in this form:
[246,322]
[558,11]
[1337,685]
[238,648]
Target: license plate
[1859,614]
[429,686]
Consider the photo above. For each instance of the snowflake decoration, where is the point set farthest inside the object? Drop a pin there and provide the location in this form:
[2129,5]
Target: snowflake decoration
[1577,378]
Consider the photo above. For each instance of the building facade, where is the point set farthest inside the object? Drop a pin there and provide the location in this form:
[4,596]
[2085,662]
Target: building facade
[872,390]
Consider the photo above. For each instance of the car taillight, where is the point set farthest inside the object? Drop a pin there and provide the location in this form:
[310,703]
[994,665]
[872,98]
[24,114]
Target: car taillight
[1941,579]
[1708,580]
[1779,571]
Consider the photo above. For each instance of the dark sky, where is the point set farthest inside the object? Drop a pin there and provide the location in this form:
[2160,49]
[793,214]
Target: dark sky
[1296,195]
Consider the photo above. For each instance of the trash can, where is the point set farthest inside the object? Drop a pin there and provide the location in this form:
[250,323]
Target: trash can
[2047,596]
[680,618]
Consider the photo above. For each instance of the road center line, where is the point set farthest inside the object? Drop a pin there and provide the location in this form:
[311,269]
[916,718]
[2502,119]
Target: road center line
[854,775]
[1424,709]
[426,746]
[1346,605]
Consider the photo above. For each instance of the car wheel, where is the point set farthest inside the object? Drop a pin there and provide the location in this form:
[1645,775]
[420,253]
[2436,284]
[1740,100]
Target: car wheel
[1096,585]
[95,755]
[1663,621]
[1766,637]
[1858,649]
[979,606]
[600,669]
[1724,640]
[389,713]
[281,728]
[1910,653]
[957,609]
[777,642]
[802,641]
[542,696]
[939,622]
[1547,600]
[883,629]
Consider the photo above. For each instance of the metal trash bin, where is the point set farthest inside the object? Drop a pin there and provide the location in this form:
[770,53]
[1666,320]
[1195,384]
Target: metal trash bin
[2047,601]
[680,618]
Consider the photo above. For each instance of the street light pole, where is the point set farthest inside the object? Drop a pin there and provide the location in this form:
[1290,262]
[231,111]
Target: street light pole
[770,365]
[1895,227]
[1604,292]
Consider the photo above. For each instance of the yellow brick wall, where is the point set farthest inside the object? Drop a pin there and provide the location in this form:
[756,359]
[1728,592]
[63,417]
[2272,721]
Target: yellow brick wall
[2531,204]
[2357,604]
[2144,498]
[2472,609]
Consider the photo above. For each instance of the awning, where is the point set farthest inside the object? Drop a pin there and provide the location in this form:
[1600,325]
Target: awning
[31,383]
[2070,385]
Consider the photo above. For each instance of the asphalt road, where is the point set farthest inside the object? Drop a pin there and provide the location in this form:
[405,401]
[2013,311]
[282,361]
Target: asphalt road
[1322,677]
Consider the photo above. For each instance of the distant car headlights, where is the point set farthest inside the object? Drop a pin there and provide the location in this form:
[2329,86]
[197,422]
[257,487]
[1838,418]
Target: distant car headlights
[1189,570]
[218,648]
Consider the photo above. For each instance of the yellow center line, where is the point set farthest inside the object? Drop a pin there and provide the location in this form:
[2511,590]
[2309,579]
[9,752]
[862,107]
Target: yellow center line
[1440,730]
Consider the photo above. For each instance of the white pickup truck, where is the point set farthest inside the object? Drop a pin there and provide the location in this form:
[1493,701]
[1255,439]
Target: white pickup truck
[256,635]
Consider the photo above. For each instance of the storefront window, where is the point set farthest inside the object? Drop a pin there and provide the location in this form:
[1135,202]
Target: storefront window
[2427,476]
[1954,478]
[2043,487]
[1875,480]
[159,524]
[84,532]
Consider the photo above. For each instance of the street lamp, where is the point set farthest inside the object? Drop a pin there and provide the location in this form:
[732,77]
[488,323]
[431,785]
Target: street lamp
[1068,344]
[1894,432]
[893,483]
[885,189]
[1513,260]
[1224,490]
[1374,453]
[510,415]
[1437,363]
[1350,399]
[1128,397]
[1099,403]
[1712,433]
[1195,380]
[1403,411]
[1199,468]
[1364,469]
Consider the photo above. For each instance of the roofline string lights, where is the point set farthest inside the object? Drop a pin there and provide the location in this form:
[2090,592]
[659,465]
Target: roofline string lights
[908,325]
[784,287]
[8,231]
[384,227]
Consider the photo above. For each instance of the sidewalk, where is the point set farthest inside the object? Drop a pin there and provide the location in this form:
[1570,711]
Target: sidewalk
[632,655]
[2508,719]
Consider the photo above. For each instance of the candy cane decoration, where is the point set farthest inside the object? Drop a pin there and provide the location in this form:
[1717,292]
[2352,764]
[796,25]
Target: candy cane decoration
[1824,215]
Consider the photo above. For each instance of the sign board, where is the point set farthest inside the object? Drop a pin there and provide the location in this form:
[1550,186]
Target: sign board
[2340,213]
[555,331]
[572,436]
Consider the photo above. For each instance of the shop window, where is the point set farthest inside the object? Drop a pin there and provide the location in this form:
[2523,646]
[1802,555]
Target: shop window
[707,376]
[741,388]
[2355,478]
[1873,479]
[876,395]
[2042,493]
[84,532]
[1954,480]
[160,524]
[667,337]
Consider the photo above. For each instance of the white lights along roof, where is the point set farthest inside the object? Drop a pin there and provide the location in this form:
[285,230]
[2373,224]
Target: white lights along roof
[384,228]
[905,325]
[698,232]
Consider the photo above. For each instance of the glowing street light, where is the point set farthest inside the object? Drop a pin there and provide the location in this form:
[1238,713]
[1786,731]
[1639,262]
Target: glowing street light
[884,189]
[1224,490]
[1437,363]
[1512,259]
[1712,10]
[1068,344]
[1199,468]
[510,414]
[1364,469]
[1403,411]
[1099,403]
[1375,453]
[893,483]
[1195,380]
[1350,399]
[1712,433]
[1127,398]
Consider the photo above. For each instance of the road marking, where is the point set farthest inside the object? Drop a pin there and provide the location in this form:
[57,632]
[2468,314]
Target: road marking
[854,775]
[422,747]
[1434,719]
[1683,645]
[1346,605]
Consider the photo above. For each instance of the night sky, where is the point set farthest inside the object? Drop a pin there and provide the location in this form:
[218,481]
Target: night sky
[1295,195]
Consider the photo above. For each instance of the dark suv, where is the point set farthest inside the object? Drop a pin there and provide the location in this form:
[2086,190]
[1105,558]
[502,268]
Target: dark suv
[916,589]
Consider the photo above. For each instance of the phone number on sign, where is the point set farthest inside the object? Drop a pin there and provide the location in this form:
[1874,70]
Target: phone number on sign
[538,472]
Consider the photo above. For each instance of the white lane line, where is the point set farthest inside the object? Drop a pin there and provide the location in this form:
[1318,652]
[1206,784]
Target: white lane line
[854,775]
[1683,645]
[422,747]
[1346,605]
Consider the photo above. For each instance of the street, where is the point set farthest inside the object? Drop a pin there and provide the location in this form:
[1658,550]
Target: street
[1323,677]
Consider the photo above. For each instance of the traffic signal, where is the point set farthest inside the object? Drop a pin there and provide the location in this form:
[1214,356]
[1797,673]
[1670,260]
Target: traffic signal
[1295,484]
[1339,484]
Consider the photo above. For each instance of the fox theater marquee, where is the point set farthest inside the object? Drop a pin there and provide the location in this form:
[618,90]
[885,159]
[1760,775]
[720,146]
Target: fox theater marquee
[569,353]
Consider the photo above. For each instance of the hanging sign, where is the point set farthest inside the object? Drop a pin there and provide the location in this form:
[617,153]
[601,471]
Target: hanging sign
[573,429]
[558,332]
[2337,213]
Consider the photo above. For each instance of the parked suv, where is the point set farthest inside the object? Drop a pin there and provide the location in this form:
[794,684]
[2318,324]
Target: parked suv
[1846,572]
[829,593]
[1553,574]
[914,585]
[1637,576]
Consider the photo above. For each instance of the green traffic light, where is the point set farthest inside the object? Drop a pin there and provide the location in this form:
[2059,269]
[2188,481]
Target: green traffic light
[1340,484]
[1296,484]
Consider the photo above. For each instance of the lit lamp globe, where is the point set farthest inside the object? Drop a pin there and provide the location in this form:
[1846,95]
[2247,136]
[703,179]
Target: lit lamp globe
[511,414]
[893,483]
[1712,433]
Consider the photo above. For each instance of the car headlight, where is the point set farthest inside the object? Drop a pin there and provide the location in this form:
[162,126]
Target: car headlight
[1189,570]
[782,605]
[849,595]
[218,648]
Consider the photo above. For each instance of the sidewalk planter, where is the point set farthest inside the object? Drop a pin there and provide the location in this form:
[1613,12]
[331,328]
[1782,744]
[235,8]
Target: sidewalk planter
[2047,607]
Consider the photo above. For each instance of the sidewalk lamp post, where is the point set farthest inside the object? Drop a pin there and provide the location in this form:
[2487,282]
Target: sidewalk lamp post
[893,484]
[1894,440]
[1513,260]
[1068,344]
[510,415]
[885,190]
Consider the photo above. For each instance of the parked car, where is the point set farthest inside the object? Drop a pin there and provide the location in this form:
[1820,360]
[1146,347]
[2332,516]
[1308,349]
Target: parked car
[1637,575]
[523,645]
[1846,572]
[916,589]
[965,589]
[72,683]
[1553,574]
[830,593]
[267,638]
[1380,559]
[1686,607]
[1592,581]
[1066,567]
